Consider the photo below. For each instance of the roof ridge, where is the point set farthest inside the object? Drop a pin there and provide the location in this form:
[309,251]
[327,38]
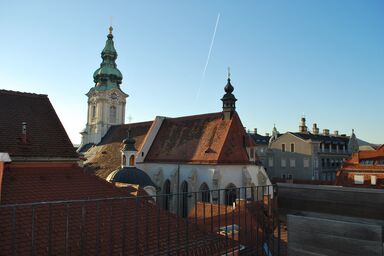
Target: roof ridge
[194,116]
[18,93]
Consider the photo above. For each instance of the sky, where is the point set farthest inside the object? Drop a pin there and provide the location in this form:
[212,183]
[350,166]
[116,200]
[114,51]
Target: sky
[323,59]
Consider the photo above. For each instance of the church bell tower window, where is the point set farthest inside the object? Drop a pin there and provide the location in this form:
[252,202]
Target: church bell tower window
[112,114]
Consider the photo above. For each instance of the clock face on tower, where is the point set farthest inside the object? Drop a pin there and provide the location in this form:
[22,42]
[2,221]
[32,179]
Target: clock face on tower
[113,96]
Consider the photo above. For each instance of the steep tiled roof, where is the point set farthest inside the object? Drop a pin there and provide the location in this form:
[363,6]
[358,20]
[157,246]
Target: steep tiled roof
[322,138]
[200,139]
[105,157]
[46,136]
[118,133]
[104,226]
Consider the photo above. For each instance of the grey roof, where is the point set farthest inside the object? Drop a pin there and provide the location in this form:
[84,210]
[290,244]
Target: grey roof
[322,138]
[260,139]
[132,175]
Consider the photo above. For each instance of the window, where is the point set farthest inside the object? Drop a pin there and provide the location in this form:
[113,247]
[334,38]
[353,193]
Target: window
[204,193]
[316,163]
[93,112]
[306,163]
[132,160]
[290,177]
[112,114]
[252,153]
[283,176]
[282,147]
[283,163]
[373,180]
[124,161]
[292,163]
[359,179]
[292,147]
[270,162]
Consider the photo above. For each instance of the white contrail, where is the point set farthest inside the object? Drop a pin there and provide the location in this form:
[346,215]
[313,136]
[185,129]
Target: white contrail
[209,54]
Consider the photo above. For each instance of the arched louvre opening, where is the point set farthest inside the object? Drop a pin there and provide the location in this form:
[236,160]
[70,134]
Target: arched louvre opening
[112,114]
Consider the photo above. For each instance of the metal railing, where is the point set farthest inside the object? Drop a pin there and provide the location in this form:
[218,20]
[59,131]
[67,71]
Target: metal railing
[230,221]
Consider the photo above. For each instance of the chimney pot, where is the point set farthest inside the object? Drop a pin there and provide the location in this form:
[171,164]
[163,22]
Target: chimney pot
[255,130]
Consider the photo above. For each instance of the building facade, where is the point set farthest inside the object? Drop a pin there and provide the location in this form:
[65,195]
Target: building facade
[363,169]
[306,155]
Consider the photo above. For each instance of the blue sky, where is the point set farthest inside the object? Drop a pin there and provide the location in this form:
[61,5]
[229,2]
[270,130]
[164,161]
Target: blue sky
[321,58]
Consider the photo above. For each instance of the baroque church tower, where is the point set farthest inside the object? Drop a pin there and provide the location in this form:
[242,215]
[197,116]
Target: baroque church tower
[106,100]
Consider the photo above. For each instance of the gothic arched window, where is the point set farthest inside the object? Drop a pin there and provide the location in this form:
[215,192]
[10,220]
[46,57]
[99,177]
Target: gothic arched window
[112,114]
[205,195]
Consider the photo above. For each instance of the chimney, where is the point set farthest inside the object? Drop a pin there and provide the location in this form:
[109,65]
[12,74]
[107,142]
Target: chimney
[302,127]
[255,131]
[326,132]
[24,132]
[315,130]
[336,133]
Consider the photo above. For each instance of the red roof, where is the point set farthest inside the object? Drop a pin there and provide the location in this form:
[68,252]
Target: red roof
[200,139]
[46,136]
[35,184]
[104,226]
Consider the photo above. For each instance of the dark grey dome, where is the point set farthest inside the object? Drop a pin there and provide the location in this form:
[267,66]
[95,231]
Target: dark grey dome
[132,175]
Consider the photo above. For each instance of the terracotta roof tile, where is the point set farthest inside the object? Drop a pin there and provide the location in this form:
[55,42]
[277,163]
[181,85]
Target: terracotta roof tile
[88,227]
[200,139]
[46,136]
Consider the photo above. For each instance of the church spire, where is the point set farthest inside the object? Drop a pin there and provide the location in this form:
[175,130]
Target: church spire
[108,75]
[229,100]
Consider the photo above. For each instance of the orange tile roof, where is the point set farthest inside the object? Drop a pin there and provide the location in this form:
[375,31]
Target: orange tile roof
[93,226]
[200,139]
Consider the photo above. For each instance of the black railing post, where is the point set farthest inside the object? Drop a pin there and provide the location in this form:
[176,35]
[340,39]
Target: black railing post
[66,228]
[82,242]
[33,232]
[14,230]
[123,235]
[50,230]
[97,247]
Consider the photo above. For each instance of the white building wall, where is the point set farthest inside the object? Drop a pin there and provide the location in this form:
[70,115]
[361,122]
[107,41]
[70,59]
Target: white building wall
[197,174]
